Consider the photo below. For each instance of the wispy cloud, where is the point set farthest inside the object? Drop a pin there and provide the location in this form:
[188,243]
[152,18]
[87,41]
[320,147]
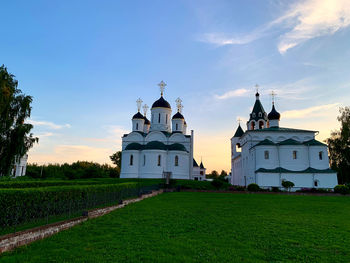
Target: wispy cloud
[49,124]
[220,39]
[315,111]
[46,134]
[313,18]
[302,21]
[234,93]
[292,91]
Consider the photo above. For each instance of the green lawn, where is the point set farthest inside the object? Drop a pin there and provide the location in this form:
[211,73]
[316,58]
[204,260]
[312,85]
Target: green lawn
[206,227]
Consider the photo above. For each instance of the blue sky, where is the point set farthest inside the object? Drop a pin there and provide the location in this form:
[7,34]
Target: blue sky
[86,63]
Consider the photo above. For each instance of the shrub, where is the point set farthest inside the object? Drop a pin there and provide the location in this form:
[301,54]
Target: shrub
[217,183]
[275,189]
[287,184]
[342,189]
[236,188]
[253,188]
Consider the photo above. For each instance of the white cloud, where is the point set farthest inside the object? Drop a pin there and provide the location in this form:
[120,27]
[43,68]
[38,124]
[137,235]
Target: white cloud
[48,124]
[315,111]
[233,93]
[220,39]
[313,18]
[303,21]
[46,134]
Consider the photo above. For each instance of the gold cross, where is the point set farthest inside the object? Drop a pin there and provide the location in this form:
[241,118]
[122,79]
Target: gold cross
[162,85]
[273,95]
[145,108]
[139,103]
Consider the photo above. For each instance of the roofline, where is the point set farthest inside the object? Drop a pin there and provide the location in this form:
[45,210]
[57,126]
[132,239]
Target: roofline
[161,108]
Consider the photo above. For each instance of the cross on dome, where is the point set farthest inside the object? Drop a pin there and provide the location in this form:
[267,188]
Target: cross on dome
[162,85]
[273,96]
[179,105]
[139,104]
[239,121]
[145,108]
[257,88]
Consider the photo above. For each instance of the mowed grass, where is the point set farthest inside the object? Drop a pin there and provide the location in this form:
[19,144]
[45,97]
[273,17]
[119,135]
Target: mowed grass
[206,227]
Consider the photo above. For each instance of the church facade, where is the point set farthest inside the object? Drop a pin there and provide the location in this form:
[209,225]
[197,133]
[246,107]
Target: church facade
[160,145]
[267,154]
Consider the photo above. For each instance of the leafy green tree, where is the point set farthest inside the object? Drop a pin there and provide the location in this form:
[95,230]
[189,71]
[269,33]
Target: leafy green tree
[214,174]
[15,136]
[116,158]
[287,184]
[339,147]
[223,173]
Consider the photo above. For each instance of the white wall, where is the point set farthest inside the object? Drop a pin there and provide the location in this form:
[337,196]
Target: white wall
[165,122]
[127,170]
[286,157]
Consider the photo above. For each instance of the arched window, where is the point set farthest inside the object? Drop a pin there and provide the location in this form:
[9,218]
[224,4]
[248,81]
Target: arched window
[252,125]
[177,126]
[159,160]
[267,155]
[166,118]
[261,124]
[295,155]
[316,183]
[176,160]
[144,160]
[159,118]
[320,155]
[254,115]
[137,126]
[238,148]
[131,160]
[260,114]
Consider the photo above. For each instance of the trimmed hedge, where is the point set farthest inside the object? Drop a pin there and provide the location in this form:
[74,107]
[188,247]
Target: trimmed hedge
[23,205]
[198,185]
[47,183]
[342,189]
[253,188]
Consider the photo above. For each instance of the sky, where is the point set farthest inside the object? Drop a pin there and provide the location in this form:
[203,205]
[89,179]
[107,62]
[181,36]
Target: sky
[87,62]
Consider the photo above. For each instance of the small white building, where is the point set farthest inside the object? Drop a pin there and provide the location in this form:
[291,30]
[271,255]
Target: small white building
[267,154]
[159,146]
[20,166]
[198,171]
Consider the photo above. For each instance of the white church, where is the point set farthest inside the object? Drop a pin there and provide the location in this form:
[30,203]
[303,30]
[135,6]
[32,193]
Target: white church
[160,146]
[267,154]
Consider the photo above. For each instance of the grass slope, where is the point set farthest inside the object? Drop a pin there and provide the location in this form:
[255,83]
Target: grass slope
[206,227]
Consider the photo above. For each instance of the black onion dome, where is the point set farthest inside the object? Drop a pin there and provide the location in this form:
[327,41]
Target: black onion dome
[138,115]
[146,120]
[274,115]
[161,103]
[178,115]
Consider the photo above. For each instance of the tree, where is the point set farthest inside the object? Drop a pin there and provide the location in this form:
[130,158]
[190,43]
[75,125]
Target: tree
[287,184]
[339,147]
[116,158]
[15,136]
[213,174]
